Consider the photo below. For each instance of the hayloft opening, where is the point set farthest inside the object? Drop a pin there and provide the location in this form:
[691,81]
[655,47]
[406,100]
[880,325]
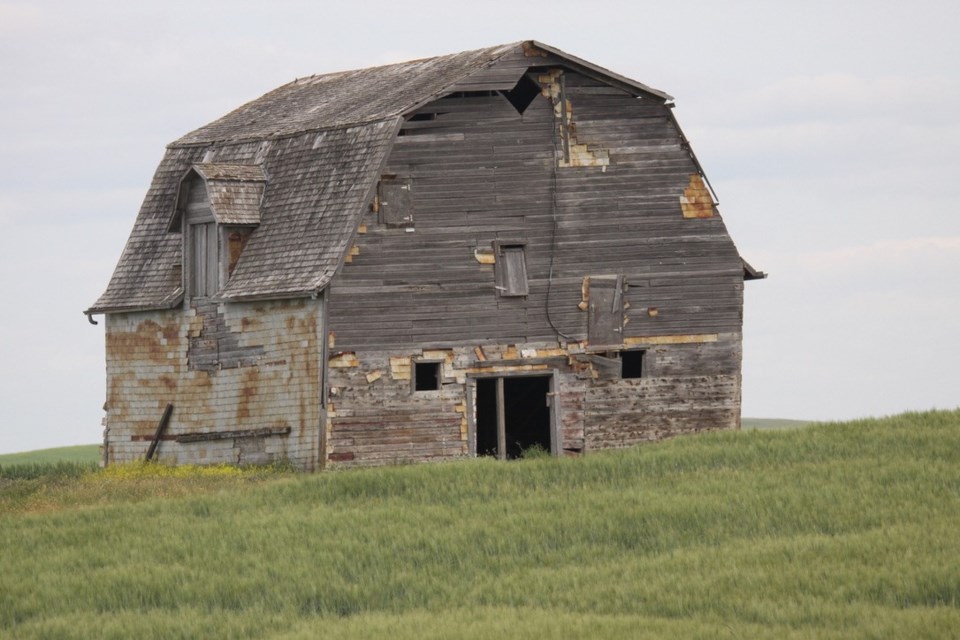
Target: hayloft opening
[513,416]
[426,376]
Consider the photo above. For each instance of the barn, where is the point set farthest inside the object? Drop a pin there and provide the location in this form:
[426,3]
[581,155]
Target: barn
[469,255]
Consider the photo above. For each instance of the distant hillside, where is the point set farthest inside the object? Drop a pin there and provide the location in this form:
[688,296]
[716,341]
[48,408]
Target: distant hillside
[772,423]
[78,453]
[836,531]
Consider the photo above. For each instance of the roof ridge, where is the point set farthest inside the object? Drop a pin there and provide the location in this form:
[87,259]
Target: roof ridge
[295,90]
[503,47]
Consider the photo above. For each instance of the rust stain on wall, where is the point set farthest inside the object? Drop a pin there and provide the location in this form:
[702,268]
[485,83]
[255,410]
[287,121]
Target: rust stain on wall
[250,382]
[148,340]
[148,366]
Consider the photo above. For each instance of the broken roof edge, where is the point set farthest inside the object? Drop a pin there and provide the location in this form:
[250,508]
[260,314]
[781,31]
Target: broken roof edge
[749,273]
[496,53]
[607,73]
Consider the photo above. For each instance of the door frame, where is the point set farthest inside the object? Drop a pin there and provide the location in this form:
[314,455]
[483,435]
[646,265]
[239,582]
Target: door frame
[471,398]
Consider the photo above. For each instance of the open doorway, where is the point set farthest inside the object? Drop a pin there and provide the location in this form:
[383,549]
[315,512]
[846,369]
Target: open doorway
[513,415]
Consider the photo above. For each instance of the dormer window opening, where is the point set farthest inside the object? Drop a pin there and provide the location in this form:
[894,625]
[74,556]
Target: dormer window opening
[218,207]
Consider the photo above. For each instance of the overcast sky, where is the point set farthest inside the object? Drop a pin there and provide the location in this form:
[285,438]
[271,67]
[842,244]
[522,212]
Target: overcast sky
[830,130]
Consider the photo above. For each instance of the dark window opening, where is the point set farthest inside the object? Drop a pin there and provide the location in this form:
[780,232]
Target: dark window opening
[526,416]
[523,94]
[469,94]
[420,117]
[631,364]
[426,376]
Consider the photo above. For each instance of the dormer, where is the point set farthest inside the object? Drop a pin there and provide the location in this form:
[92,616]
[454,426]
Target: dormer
[217,208]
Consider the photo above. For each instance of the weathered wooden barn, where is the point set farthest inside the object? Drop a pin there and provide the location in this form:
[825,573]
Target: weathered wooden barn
[466,255]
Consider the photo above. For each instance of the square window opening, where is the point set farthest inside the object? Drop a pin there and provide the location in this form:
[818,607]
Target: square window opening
[426,376]
[631,364]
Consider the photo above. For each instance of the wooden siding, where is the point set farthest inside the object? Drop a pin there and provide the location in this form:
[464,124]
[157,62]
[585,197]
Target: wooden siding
[250,371]
[480,173]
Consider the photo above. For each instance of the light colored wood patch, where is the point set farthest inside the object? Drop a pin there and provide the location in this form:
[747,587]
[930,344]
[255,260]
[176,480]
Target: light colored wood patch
[344,360]
[696,201]
[685,339]
[485,256]
[400,368]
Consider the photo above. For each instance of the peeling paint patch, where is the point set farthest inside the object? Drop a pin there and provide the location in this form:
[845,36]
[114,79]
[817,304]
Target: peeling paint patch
[549,353]
[696,201]
[685,339]
[509,368]
[446,355]
[485,256]
[374,375]
[354,251]
[531,51]
[575,152]
[343,360]
[400,368]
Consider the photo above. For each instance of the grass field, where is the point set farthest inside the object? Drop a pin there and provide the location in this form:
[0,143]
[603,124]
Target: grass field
[832,531]
[80,453]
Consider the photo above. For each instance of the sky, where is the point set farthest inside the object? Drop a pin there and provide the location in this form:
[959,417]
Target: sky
[830,131]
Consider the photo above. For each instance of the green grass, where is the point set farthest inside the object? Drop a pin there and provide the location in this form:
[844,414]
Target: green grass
[83,453]
[832,531]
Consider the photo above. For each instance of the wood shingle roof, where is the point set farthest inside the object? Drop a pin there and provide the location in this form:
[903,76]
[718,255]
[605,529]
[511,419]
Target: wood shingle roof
[320,143]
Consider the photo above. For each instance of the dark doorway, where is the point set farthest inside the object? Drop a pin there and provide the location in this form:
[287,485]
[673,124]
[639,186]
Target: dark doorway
[525,415]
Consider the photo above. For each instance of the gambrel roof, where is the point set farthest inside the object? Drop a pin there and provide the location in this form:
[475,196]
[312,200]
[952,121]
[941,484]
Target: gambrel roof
[320,142]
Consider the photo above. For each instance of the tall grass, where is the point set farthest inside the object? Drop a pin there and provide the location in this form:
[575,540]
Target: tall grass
[834,531]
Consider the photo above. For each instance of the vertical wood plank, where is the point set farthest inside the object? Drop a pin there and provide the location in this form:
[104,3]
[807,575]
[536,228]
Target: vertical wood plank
[501,423]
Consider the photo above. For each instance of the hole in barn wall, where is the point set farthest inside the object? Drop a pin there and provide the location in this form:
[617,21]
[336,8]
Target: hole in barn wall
[631,364]
[523,94]
[426,376]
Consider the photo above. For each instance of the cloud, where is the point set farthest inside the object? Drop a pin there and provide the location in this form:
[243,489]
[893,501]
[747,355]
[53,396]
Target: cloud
[886,254]
[844,97]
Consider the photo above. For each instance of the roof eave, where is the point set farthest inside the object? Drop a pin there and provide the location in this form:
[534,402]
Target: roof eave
[170,302]
[749,273]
